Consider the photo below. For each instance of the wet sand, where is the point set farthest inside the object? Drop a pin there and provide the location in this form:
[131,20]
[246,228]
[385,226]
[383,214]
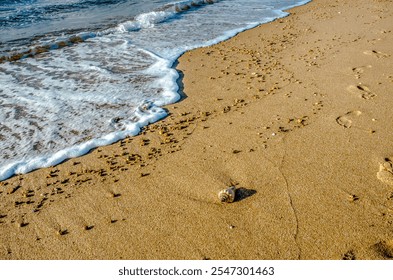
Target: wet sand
[295,113]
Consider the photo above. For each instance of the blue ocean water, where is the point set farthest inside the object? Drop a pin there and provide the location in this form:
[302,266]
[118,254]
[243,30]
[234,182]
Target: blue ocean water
[79,74]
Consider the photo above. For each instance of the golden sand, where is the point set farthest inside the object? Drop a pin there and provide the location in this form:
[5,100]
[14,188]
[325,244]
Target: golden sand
[297,114]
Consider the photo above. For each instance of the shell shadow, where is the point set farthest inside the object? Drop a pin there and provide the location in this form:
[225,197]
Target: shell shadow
[243,193]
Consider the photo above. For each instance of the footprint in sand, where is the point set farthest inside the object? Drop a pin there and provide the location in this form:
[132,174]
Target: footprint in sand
[360,70]
[362,91]
[385,248]
[385,173]
[375,53]
[347,119]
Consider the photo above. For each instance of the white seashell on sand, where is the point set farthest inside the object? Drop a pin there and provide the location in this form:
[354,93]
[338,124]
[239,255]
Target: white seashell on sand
[227,195]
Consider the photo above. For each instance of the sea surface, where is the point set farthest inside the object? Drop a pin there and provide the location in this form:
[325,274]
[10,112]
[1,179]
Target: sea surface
[79,74]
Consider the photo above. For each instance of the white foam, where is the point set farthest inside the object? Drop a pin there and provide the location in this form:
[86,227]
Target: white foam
[147,20]
[146,113]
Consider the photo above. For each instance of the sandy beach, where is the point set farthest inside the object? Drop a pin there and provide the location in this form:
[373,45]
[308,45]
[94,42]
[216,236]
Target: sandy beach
[296,113]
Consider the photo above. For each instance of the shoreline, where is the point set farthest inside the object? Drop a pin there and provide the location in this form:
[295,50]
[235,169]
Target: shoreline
[148,112]
[294,112]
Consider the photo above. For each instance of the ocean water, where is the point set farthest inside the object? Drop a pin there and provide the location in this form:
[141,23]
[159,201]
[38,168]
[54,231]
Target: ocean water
[78,74]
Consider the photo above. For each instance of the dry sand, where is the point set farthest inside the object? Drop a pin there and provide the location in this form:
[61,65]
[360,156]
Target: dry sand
[296,113]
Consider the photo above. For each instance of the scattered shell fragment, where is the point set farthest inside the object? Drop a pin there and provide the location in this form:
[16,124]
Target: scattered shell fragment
[227,195]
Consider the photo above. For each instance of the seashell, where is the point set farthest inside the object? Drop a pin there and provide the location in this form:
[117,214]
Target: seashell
[227,195]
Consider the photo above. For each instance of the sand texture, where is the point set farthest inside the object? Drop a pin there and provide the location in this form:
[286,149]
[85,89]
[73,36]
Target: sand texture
[297,114]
